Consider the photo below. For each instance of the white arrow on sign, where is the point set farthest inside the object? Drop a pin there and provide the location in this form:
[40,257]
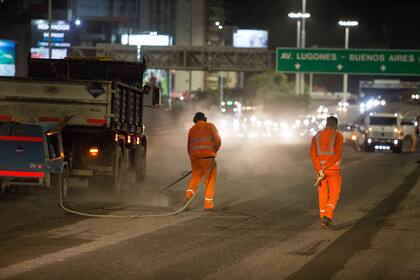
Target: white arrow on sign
[383,68]
[297,66]
[339,67]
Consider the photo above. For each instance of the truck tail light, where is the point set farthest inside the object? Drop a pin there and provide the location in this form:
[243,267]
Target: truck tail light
[138,140]
[93,151]
[128,139]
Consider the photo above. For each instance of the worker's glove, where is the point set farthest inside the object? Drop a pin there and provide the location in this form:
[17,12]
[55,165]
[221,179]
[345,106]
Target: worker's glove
[321,174]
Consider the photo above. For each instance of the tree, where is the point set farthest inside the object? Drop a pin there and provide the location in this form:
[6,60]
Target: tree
[275,92]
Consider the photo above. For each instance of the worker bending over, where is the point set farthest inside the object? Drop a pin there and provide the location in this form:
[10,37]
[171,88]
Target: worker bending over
[326,150]
[203,144]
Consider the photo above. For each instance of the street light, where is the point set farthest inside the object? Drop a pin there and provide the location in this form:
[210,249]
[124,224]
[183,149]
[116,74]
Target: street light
[299,15]
[78,22]
[347,24]
[299,18]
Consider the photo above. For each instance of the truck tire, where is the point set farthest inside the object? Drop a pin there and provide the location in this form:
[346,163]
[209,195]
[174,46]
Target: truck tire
[140,164]
[368,148]
[111,183]
[137,171]
[407,144]
[397,149]
[116,181]
[59,182]
[95,182]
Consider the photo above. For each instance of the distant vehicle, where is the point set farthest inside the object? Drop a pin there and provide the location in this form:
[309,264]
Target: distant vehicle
[230,107]
[371,104]
[348,131]
[386,131]
[104,141]
[31,155]
[343,104]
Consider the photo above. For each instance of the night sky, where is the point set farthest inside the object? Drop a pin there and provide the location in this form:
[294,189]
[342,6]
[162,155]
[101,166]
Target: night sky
[382,24]
[386,24]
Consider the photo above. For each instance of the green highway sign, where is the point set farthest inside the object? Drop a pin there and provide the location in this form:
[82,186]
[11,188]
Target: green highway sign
[348,61]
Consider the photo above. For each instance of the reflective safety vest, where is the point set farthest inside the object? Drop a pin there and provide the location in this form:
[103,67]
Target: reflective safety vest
[202,142]
[325,145]
[202,145]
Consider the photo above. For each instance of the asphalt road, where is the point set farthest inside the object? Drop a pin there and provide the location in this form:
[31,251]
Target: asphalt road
[266,226]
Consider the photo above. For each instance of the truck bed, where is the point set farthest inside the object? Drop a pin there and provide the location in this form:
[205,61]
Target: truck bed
[92,103]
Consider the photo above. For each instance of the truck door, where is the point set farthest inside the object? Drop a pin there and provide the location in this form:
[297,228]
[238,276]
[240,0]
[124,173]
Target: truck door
[55,152]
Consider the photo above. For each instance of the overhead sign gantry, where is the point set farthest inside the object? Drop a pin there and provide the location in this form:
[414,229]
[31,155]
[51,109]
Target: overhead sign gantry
[348,61]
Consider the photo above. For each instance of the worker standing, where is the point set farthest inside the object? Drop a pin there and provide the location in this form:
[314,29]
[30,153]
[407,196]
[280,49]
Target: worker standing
[326,150]
[203,144]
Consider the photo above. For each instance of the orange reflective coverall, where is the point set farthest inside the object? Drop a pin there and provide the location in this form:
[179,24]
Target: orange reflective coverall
[326,150]
[203,144]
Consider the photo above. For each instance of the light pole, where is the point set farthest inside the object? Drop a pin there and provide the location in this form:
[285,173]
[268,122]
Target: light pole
[300,17]
[219,28]
[347,24]
[303,42]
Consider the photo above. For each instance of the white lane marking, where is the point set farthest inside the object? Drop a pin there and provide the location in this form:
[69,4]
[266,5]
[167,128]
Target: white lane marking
[129,232]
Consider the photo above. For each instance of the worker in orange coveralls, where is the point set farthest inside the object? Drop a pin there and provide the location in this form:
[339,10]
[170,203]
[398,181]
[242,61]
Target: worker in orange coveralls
[203,144]
[326,150]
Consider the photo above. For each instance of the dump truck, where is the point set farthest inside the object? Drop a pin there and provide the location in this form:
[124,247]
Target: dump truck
[98,105]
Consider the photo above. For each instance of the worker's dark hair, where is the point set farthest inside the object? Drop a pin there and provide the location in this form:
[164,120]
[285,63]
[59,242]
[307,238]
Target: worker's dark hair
[199,116]
[332,121]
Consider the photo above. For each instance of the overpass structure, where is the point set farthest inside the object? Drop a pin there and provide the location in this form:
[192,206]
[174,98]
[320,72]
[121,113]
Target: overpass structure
[201,58]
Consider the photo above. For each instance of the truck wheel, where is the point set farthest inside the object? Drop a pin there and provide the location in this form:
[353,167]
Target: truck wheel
[397,149]
[356,146]
[140,164]
[117,178]
[59,182]
[95,182]
[407,145]
[137,171]
[368,148]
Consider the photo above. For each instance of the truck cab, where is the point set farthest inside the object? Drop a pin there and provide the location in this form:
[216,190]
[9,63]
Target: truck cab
[388,131]
[31,155]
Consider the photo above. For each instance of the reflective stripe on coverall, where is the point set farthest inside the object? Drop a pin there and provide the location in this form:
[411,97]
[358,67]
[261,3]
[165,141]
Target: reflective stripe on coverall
[203,144]
[326,150]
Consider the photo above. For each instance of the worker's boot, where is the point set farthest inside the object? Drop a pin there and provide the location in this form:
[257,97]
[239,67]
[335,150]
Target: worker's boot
[325,222]
[186,200]
[208,205]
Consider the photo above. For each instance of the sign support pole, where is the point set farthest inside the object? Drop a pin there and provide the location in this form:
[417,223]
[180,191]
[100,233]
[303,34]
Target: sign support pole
[346,76]
[297,82]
